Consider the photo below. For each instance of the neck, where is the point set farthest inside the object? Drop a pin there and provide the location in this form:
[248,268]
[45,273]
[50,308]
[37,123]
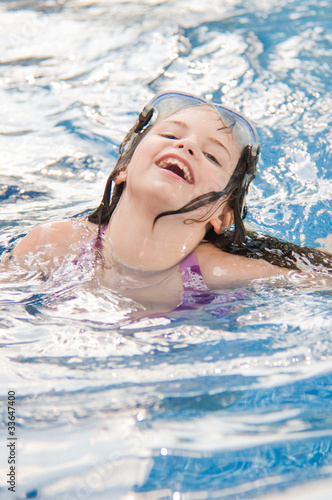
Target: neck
[137,247]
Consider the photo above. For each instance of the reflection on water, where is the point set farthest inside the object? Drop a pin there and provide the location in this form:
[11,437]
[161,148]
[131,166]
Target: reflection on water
[206,405]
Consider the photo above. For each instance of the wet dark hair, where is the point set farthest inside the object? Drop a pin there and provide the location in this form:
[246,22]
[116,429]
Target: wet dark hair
[101,216]
[285,254]
[235,240]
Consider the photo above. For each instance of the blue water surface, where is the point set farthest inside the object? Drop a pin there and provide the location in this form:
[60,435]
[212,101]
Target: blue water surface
[230,401]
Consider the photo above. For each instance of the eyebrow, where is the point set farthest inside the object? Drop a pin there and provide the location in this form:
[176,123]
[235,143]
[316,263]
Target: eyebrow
[212,139]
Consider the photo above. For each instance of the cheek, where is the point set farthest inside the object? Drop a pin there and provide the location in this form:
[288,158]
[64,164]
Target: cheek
[144,153]
[216,181]
[136,165]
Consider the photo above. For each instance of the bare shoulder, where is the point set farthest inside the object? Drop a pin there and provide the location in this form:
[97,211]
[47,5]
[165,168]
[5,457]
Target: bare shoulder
[221,268]
[53,239]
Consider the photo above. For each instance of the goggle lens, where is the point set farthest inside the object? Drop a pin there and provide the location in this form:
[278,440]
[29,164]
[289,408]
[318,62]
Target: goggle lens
[170,102]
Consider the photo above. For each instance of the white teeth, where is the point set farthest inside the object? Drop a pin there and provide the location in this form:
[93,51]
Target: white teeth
[174,161]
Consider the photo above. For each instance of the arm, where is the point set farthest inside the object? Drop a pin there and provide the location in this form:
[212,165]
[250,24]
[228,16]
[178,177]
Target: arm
[221,269]
[47,244]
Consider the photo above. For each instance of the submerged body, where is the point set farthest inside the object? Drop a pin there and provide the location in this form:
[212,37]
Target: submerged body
[157,290]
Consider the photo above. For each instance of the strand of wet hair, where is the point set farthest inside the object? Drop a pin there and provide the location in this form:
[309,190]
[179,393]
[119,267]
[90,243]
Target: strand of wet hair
[286,254]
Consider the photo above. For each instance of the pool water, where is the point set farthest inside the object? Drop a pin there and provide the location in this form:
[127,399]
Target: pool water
[215,404]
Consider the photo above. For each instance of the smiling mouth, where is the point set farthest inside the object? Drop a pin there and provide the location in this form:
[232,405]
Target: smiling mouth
[178,168]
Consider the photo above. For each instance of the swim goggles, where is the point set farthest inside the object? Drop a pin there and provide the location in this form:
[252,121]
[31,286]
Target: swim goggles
[167,103]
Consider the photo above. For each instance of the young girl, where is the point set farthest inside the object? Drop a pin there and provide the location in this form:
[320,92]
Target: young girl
[179,184]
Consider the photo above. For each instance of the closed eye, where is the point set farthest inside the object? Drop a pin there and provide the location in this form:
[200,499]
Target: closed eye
[168,136]
[212,158]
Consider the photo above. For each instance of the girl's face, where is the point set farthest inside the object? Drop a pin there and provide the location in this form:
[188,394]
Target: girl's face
[184,155]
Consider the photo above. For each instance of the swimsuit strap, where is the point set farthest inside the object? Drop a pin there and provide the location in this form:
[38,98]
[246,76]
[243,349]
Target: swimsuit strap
[96,243]
[192,278]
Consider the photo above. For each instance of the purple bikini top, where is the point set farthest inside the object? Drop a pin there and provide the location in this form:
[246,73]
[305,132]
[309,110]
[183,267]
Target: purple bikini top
[192,278]
[220,304]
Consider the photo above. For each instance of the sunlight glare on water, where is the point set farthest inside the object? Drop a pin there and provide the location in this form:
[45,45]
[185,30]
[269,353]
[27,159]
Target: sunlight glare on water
[231,403]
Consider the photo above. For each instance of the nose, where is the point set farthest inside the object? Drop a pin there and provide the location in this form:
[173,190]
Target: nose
[190,151]
[187,145]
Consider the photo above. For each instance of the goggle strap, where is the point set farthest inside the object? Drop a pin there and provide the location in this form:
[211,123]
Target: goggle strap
[143,119]
[140,123]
